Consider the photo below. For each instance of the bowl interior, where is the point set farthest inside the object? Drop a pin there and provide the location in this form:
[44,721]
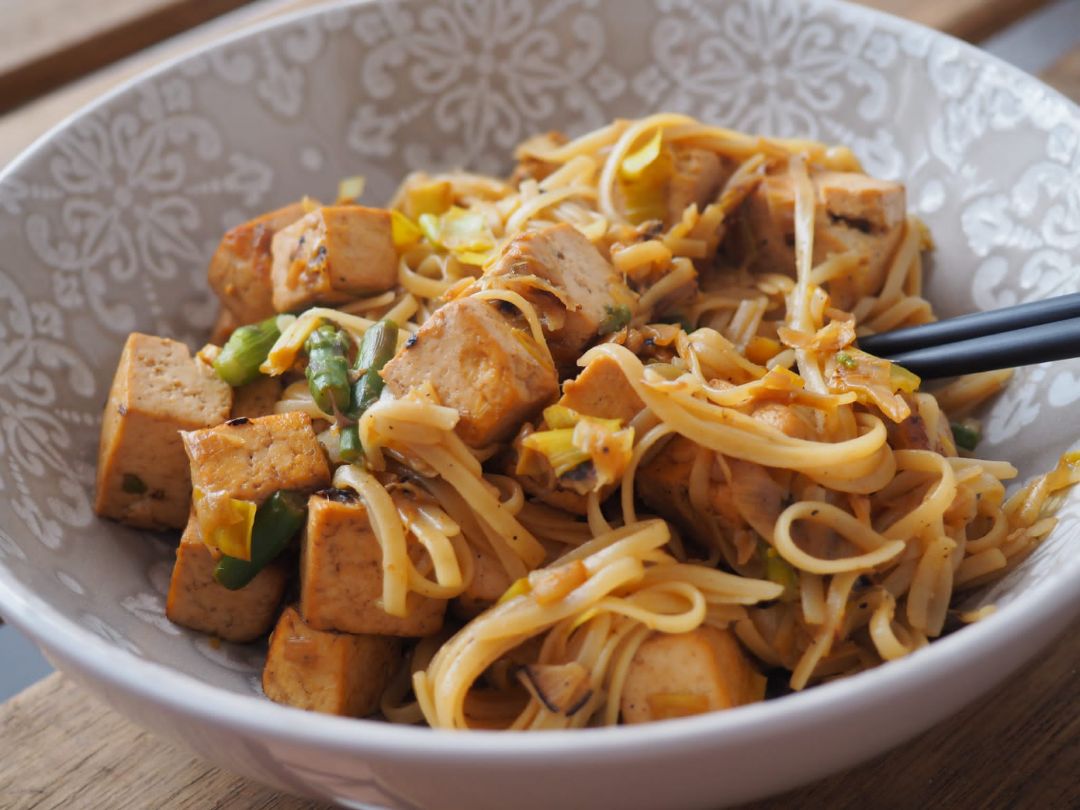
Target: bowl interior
[108,223]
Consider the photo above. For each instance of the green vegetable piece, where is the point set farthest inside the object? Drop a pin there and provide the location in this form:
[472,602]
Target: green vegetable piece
[680,318]
[378,346]
[616,318]
[349,448]
[276,521]
[328,369]
[965,436]
[779,570]
[246,350]
[132,484]
[845,359]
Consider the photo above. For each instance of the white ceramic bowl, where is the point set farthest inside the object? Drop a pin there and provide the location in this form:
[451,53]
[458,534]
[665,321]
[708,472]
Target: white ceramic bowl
[107,223]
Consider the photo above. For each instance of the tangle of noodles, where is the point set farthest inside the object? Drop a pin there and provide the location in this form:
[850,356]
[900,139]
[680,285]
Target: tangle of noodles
[770,484]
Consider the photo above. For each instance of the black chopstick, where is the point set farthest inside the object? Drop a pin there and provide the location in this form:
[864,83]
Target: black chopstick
[977,324]
[1019,347]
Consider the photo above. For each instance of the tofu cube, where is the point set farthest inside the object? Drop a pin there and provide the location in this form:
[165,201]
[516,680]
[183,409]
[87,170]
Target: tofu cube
[563,257]
[862,201]
[489,582]
[489,370]
[674,675]
[250,459]
[854,213]
[769,213]
[341,574]
[328,672]
[240,269]
[602,390]
[257,398]
[663,483]
[198,602]
[158,391]
[332,254]
[696,179]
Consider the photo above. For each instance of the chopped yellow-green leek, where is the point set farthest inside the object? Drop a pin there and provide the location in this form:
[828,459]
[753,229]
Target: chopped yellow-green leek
[403,231]
[519,587]
[779,570]
[965,435]
[557,446]
[635,164]
[225,523]
[350,189]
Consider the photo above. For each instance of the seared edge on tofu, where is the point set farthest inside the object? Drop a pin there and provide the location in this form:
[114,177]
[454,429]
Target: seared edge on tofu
[332,254]
[481,364]
[240,269]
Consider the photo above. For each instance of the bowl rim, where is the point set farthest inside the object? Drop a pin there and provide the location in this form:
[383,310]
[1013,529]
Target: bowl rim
[188,696]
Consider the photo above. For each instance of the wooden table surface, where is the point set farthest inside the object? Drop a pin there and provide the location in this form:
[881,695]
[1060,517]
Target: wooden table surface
[61,748]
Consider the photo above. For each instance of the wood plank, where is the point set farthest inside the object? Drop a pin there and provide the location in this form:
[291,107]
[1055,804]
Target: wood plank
[20,127]
[1017,747]
[972,20]
[1065,74]
[62,749]
[46,43]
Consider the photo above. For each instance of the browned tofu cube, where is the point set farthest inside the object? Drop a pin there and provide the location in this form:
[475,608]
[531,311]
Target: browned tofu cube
[158,390]
[794,420]
[257,398]
[564,258]
[854,213]
[489,582]
[675,675]
[864,202]
[341,574]
[663,483]
[769,212]
[250,459]
[328,672]
[240,269]
[331,255]
[602,390]
[696,179]
[223,327]
[490,371]
[197,601]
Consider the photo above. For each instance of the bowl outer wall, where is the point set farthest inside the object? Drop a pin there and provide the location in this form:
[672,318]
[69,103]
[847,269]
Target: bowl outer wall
[311,754]
[704,762]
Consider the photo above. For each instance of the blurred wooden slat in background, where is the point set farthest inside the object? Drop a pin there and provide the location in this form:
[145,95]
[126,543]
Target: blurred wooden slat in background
[973,20]
[45,43]
[1064,74]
